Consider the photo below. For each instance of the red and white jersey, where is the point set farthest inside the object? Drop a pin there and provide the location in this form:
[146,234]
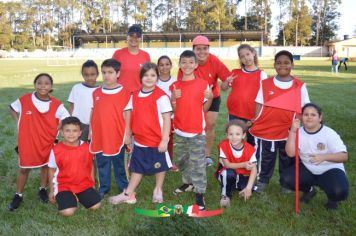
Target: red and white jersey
[146,117]
[130,67]
[273,123]
[73,167]
[211,71]
[244,88]
[107,120]
[189,113]
[37,129]
[246,153]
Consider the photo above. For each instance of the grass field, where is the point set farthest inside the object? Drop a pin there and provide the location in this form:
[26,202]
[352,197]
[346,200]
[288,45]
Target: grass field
[271,213]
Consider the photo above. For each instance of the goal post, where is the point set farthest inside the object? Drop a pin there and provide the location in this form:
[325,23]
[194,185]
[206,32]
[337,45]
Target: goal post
[60,56]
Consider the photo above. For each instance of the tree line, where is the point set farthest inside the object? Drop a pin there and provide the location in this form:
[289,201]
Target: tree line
[31,24]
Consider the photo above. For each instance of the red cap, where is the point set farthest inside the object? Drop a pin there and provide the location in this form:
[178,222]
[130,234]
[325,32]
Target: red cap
[201,40]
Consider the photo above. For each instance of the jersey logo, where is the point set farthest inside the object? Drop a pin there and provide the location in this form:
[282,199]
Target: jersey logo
[320,146]
[270,92]
[97,98]
[28,112]
[209,75]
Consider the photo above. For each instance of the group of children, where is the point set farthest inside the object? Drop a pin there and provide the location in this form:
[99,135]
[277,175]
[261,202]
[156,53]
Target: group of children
[107,120]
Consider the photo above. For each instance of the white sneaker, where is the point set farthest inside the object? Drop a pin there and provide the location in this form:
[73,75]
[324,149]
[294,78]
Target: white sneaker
[225,201]
[123,198]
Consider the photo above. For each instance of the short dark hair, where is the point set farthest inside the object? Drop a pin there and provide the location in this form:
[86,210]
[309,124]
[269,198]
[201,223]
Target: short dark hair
[135,29]
[284,53]
[188,54]
[236,122]
[116,65]
[43,74]
[313,105]
[90,63]
[146,67]
[71,120]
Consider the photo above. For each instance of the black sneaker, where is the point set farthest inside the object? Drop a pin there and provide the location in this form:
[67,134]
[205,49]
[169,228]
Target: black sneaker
[331,205]
[184,188]
[43,195]
[309,195]
[200,201]
[15,203]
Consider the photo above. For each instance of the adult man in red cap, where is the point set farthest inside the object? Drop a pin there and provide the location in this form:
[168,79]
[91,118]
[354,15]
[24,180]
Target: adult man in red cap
[211,69]
[131,59]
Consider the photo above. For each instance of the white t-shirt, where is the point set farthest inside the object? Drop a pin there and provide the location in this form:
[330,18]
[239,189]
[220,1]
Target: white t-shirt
[164,85]
[81,96]
[284,85]
[163,106]
[324,141]
[42,106]
[237,153]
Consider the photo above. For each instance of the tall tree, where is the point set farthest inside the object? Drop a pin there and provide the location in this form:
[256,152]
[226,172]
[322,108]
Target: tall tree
[218,18]
[261,10]
[5,29]
[325,20]
[298,28]
[282,4]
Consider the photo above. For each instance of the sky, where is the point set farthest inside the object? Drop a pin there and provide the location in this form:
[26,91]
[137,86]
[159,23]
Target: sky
[348,18]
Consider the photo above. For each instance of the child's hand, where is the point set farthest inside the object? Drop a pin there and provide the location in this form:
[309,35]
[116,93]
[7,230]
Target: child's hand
[316,159]
[127,142]
[295,125]
[208,93]
[248,165]
[176,93]
[246,193]
[51,198]
[162,147]
[231,79]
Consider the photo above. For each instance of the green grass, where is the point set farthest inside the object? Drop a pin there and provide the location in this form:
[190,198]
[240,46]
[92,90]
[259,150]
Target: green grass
[268,214]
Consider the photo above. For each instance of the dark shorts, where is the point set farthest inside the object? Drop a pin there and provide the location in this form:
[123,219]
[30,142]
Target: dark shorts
[68,199]
[147,160]
[215,104]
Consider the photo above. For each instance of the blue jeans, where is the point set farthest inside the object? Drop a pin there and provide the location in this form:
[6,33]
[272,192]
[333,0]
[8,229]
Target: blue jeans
[104,170]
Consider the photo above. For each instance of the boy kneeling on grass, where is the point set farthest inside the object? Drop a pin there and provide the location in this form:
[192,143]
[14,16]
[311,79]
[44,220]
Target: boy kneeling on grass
[71,172]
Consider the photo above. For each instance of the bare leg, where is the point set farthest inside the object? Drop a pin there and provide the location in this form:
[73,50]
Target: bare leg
[96,206]
[159,180]
[210,131]
[22,179]
[68,212]
[135,180]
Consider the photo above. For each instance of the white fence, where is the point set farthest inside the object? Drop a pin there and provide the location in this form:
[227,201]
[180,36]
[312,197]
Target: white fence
[225,53]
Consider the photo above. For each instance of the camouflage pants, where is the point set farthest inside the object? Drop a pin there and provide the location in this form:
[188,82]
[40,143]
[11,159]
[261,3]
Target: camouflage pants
[189,154]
